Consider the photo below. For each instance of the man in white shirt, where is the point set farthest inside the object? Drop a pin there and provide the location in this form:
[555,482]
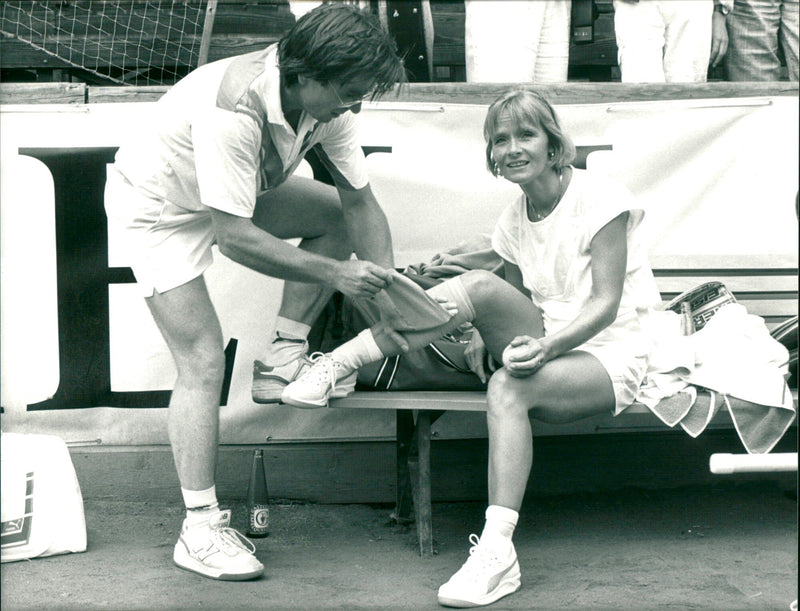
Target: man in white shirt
[216,168]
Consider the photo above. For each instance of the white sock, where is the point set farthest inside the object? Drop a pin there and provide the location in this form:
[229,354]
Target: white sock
[499,527]
[359,351]
[199,504]
[291,329]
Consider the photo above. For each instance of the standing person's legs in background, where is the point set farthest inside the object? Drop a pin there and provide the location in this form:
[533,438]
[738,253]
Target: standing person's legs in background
[640,29]
[552,58]
[687,40]
[753,27]
[790,31]
[663,40]
[517,41]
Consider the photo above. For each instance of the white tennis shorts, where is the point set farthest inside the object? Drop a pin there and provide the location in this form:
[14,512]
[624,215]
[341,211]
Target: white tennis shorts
[625,370]
[165,245]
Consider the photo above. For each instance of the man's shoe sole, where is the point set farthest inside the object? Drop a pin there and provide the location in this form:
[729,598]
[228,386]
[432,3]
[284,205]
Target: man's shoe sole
[271,394]
[268,387]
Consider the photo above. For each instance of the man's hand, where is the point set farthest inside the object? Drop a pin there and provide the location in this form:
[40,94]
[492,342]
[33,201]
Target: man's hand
[719,39]
[361,279]
[524,356]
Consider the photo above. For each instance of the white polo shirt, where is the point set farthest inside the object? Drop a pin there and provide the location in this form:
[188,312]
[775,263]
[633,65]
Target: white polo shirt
[220,138]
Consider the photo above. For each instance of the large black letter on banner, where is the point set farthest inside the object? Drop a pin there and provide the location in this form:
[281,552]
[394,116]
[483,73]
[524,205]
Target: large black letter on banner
[83,277]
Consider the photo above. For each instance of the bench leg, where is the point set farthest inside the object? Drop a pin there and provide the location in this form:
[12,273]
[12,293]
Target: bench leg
[405,437]
[422,485]
[414,475]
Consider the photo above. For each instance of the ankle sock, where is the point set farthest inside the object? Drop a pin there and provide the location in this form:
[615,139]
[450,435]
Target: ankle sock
[499,527]
[359,351]
[199,504]
[291,329]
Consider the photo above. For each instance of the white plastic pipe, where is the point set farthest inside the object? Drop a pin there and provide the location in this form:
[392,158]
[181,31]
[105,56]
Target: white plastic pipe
[724,464]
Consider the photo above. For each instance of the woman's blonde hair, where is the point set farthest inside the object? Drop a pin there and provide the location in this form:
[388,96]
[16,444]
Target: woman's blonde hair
[526,105]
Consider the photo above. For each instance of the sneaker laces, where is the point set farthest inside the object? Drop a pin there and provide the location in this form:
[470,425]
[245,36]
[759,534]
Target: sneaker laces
[481,560]
[231,541]
[323,371]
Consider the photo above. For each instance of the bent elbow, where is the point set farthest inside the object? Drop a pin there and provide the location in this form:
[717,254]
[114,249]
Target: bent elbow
[609,319]
[227,246]
[607,313]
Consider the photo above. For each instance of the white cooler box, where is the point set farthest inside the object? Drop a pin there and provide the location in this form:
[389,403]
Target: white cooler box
[42,506]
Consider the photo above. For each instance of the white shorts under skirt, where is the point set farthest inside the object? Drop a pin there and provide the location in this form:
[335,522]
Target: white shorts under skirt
[165,245]
[625,370]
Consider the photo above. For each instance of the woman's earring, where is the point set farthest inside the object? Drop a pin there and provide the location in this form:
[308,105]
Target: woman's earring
[551,154]
[496,169]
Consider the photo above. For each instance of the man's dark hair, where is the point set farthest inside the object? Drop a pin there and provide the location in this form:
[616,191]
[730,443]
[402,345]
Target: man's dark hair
[342,43]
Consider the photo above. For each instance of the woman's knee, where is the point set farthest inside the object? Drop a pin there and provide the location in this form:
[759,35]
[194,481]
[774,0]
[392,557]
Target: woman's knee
[506,397]
[480,284]
[476,280]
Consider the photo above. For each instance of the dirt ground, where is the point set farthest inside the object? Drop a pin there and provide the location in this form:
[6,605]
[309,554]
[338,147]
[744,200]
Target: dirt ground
[728,546]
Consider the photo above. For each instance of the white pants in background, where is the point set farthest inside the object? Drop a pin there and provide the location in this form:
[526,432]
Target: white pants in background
[517,41]
[663,40]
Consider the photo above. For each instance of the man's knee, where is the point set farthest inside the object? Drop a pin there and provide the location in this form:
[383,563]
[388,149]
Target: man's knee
[330,217]
[203,362]
[300,208]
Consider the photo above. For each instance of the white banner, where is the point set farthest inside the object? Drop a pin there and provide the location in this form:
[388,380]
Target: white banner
[718,179]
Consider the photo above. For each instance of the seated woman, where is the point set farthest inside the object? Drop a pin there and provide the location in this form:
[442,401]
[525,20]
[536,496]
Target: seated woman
[567,323]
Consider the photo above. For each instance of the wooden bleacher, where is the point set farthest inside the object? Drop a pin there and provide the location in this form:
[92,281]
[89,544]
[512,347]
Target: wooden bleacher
[241,26]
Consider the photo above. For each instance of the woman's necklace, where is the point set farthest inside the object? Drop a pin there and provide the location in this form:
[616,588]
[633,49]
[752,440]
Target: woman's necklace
[538,216]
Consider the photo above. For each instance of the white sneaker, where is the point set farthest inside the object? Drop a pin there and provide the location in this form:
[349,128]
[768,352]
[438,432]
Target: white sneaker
[215,550]
[326,379]
[484,578]
[270,380]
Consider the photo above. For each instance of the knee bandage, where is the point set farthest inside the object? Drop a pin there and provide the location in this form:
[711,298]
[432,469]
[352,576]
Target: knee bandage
[453,290]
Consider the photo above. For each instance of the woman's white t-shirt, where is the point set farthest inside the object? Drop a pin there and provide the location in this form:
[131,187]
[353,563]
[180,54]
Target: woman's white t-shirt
[554,256]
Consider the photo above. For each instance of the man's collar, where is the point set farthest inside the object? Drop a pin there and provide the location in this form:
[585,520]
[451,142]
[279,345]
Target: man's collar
[274,107]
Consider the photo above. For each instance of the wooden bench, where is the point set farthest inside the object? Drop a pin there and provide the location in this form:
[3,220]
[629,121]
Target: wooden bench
[769,291]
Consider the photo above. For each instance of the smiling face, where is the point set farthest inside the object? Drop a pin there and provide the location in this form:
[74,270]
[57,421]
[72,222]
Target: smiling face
[520,149]
[326,101]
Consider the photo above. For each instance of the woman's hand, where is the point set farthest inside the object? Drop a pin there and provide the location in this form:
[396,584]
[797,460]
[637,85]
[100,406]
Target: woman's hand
[475,355]
[524,356]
